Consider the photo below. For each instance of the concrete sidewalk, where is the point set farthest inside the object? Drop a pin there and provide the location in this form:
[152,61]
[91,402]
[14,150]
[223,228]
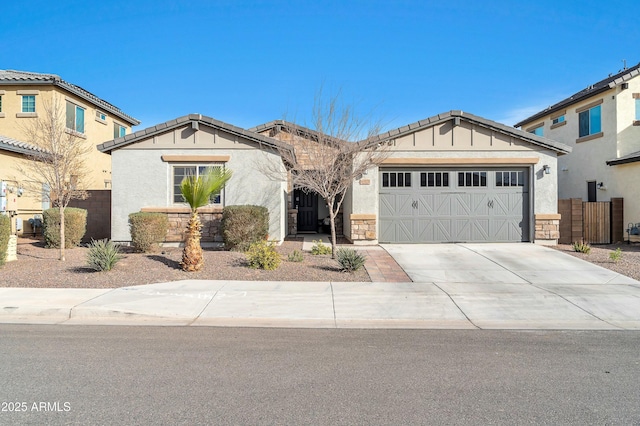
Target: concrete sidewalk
[332,305]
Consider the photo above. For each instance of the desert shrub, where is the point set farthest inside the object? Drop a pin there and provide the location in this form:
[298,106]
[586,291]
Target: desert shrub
[244,225]
[295,256]
[5,233]
[263,255]
[319,248]
[147,230]
[349,259]
[75,225]
[581,247]
[616,255]
[103,255]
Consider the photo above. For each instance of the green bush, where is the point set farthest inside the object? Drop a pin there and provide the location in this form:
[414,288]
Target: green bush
[319,248]
[349,259]
[75,225]
[103,255]
[295,256]
[244,225]
[616,255]
[147,230]
[263,255]
[5,233]
[581,247]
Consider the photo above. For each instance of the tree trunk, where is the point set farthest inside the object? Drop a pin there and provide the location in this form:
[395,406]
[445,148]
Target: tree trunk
[332,219]
[62,237]
[192,260]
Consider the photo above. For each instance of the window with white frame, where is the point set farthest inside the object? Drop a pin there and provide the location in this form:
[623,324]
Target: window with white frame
[75,117]
[590,121]
[181,171]
[28,103]
[119,131]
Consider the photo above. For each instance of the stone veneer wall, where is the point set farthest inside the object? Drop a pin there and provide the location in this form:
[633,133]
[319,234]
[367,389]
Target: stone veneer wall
[363,227]
[547,229]
[211,219]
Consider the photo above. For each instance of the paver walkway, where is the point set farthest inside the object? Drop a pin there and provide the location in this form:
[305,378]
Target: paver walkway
[382,267]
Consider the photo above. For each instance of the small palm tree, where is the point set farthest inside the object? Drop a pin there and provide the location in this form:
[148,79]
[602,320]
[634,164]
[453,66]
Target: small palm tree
[196,192]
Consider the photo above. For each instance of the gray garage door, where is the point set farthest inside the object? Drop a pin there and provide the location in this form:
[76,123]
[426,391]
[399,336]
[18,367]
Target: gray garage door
[454,205]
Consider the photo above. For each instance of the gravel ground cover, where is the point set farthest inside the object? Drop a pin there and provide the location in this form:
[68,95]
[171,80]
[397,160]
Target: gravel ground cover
[38,266]
[629,263]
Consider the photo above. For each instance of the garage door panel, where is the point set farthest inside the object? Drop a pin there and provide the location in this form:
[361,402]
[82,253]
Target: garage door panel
[457,211]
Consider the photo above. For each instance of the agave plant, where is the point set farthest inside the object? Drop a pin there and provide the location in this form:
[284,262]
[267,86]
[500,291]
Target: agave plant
[197,191]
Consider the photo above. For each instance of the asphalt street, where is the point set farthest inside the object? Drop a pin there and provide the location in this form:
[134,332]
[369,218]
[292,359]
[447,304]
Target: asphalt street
[54,374]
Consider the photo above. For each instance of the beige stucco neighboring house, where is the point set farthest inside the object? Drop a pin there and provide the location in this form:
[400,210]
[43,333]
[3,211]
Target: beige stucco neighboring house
[16,201]
[602,125]
[23,96]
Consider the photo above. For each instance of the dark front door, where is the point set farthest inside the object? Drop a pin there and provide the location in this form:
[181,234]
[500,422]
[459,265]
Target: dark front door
[307,205]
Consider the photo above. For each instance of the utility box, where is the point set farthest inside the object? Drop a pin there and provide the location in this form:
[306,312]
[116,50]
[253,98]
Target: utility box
[9,203]
[8,199]
[18,224]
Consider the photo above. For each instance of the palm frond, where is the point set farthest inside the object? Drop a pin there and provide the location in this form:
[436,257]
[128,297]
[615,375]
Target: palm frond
[196,190]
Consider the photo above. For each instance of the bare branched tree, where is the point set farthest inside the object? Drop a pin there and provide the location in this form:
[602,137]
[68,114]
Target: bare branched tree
[61,164]
[338,150]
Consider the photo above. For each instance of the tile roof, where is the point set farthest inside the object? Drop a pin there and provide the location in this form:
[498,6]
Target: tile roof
[13,145]
[474,119]
[294,128]
[181,121]
[599,87]
[24,77]
[630,158]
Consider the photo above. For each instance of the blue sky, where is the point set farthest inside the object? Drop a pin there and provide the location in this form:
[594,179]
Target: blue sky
[249,62]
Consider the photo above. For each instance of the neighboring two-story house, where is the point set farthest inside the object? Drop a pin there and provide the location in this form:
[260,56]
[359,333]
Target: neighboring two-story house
[602,125]
[23,96]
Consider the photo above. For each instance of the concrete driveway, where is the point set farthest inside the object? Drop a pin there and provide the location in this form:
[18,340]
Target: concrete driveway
[523,285]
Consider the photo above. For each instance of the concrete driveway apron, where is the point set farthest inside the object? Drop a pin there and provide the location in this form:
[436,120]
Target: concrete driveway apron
[523,285]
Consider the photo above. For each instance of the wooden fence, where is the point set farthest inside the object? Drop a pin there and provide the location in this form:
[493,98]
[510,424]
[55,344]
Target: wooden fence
[594,223]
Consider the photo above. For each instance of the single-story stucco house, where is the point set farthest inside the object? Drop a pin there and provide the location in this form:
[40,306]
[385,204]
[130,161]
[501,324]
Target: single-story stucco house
[454,177]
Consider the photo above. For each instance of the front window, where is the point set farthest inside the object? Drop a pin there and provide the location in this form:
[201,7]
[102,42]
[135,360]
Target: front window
[637,109]
[75,117]
[118,131]
[0,103]
[538,131]
[590,121]
[28,103]
[180,172]
[558,120]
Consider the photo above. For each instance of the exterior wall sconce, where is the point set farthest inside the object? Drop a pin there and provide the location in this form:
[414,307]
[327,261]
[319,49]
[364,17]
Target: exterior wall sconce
[547,169]
[601,186]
